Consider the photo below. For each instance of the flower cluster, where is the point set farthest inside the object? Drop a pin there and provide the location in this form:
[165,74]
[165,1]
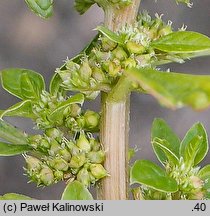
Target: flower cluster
[65,159]
[100,69]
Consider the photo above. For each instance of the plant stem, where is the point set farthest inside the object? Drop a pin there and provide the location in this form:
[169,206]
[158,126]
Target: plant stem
[115,118]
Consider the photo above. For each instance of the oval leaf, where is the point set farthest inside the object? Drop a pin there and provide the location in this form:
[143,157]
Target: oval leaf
[149,174]
[56,114]
[111,35]
[163,153]
[182,42]
[194,146]
[76,191]
[11,150]
[14,196]
[55,84]
[161,130]
[23,83]
[21,109]
[83,5]
[174,90]
[43,8]
[11,133]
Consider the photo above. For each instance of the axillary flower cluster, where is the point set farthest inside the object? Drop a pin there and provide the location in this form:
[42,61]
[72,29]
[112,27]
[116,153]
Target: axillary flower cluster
[69,148]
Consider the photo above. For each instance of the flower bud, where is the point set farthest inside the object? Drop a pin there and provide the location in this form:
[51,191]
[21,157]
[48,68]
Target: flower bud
[44,144]
[53,133]
[143,60]
[81,121]
[98,171]
[113,69]
[91,119]
[84,177]
[96,157]
[98,74]
[59,176]
[59,164]
[85,71]
[107,44]
[55,148]
[165,31]
[83,143]
[65,154]
[77,161]
[95,144]
[33,164]
[120,53]
[129,63]
[135,48]
[46,176]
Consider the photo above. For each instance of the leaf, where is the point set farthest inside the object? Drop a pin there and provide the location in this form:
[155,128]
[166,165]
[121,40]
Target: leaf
[21,109]
[42,8]
[149,174]
[56,114]
[14,196]
[11,150]
[204,174]
[83,5]
[171,143]
[163,153]
[55,84]
[182,42]
[174,90]
[194,146]
[76,191]
[23,83]
[12,134]
[111,35]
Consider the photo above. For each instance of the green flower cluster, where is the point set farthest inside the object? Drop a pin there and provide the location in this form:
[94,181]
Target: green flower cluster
[65,159]
[71,117]
[113,53]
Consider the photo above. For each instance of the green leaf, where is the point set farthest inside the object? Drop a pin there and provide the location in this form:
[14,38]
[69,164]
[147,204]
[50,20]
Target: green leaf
[182,42]
[76,191]
[23,83]
[55,84]
[170,142]
[42,8]
[163,152]
[11,150]
[56,114]
[204,174]
[83,5]
[194,146]
[21,109]
[14,196]
[149,174]
[111,35]
[174,90]
[12,134]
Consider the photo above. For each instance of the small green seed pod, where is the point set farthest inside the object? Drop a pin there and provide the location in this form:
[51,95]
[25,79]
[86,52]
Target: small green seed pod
[84,177]
[53,133]
[55,148]
[120,53]
[44,144]
[98,171]
[59,164]
[107,44]
[113,69]
[129,63]
[32,163]
[85,71]
[95,144]
[91,119]
[98,74]
[65,154]
[46,176]
[59,176]
[83,142]
[135,48]
[96,157]
[77,161]
[165,31]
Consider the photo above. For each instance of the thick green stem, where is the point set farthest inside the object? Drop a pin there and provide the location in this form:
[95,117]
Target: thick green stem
[115,118]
